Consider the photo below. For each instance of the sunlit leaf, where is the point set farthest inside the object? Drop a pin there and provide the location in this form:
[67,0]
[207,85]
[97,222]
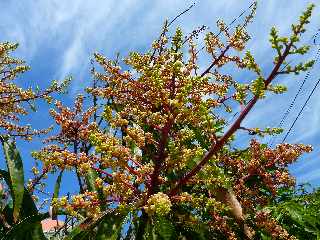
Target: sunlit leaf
[15,169]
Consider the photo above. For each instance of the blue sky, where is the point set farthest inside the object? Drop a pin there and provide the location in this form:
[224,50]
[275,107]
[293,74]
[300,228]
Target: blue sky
[58,38]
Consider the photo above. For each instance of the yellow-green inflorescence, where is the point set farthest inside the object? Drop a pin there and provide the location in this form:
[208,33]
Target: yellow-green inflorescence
[158,204]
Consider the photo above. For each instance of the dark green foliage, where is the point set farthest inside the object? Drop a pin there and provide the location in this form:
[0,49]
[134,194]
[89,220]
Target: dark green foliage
[16,174]
[299,213]
[106,227]
[20,220]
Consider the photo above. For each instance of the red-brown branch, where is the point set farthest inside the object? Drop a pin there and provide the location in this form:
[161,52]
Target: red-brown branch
[160,157]
[215,62]
[225,98]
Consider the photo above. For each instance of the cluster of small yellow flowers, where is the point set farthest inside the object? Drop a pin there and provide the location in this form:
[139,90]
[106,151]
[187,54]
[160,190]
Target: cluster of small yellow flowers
[192,62]
[53,156]
[35,170]
[146,168]
[186,134]
[202,202]
[137,135]
[84,167]
[213,205]
[165,110]
[288,153]
[212,177]
[141,98]
[213,43]
[183,197]
[239,38]
[87,202]
[118,121]
[263,132]
[158,204]
[98,182]
[15,101]
[180,156]
[114,154]
[107,113]
[120,191]
[112,161]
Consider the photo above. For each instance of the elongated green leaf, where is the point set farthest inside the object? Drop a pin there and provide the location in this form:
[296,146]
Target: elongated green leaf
[57,186]
[104,226]
[15,169]
[32,231]
[165,228]
[56,192]
[20,230]
[265,237]
[91,176]
[110,227]
[7,214]
[149,231]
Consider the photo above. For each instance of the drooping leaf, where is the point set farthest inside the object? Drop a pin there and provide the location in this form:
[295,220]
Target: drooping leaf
[28,211]
[149,233]
[15,169]
[56,192]
[106,227]
[110,227]
[57,185]
[21,230]
[164,228]
[90,177]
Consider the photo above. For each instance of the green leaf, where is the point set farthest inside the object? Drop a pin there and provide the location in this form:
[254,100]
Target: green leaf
[7,213]
[15,169]
[110,227]
[57,185]
[107,227]
[295,211]
[265,237]
[56,191]
[28,210]
[91,176]
[83,230]
[21,230]
[149,233]
[165,229]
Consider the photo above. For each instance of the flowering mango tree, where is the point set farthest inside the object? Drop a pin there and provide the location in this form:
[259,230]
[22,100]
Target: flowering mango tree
[152,149]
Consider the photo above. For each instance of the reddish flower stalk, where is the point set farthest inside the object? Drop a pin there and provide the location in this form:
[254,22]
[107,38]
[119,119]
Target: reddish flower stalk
[160,157]
[101,171]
